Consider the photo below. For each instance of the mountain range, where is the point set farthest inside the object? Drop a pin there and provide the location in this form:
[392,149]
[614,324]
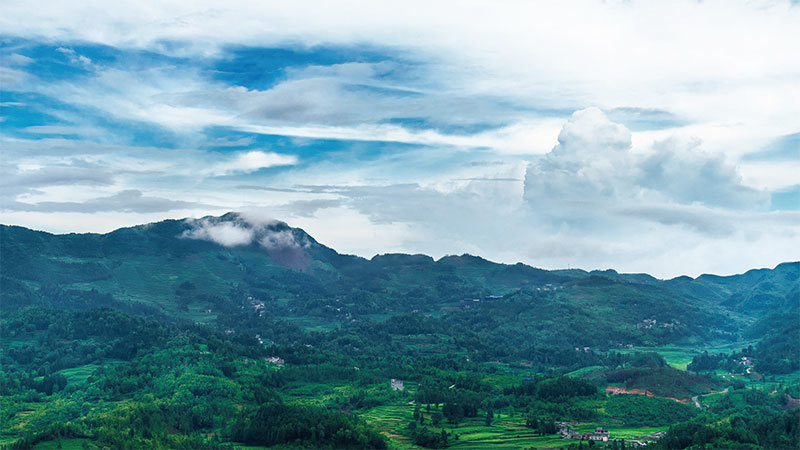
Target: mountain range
[188,269]
[227,331]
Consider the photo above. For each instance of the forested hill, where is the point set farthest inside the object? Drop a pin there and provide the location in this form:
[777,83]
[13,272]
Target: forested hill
[195,269]
[227,331]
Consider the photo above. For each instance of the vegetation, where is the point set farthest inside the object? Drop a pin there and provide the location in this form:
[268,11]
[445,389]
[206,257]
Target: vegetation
[143,338]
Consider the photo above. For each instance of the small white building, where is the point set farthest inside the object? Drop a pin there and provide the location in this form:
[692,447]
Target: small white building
[599,435]
[275,360]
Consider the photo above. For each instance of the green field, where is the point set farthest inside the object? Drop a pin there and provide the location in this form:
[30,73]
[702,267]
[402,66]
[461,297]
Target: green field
[504,432]
[679,356]
[79,375]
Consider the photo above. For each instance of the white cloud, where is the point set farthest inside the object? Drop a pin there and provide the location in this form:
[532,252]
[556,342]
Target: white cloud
[74,57]
[247,162]
[593,168]
[17,60]
[280,239]
[281,244]
[227,234]
[771,175]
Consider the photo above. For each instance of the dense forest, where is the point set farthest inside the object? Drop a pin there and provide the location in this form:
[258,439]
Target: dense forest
[147,338]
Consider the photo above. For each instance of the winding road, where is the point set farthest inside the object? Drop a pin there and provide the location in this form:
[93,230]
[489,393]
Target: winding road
[697,403]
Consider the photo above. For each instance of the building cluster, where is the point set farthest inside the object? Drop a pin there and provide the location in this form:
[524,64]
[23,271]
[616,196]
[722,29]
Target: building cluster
[746,361]
[567,432]
[275,360]
[257,305]
[651,323]
[600,434]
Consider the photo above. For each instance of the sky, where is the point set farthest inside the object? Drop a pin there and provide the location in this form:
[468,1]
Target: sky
[643,136]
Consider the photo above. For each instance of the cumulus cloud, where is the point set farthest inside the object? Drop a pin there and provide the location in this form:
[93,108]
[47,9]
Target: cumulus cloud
[593,167]
[686,174]
[591,164]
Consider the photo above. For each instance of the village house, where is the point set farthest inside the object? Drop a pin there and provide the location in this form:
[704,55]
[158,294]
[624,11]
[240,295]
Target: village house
[397,385]
[599,435]
[655,436]
[571,434]
[567,432]
[275,360]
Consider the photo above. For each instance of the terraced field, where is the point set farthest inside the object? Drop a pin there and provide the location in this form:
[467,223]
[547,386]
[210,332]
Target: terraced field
[504,432]
[78,375]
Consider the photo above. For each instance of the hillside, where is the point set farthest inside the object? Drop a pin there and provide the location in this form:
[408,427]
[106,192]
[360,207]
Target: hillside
[227,330]
[182,269]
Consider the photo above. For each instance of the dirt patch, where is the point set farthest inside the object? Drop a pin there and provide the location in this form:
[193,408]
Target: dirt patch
[618,390]
[615,390]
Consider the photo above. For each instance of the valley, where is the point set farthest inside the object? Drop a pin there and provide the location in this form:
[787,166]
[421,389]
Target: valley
[175,335]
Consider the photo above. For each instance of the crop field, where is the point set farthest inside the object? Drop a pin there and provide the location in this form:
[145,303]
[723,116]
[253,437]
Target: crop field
[677,357]
[680,356]
[504,432]
[79,375]
[391,420]
[584,371]
[618,432]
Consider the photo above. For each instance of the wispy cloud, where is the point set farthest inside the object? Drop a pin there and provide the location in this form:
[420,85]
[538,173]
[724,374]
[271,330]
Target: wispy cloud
[125,201]
[250,162]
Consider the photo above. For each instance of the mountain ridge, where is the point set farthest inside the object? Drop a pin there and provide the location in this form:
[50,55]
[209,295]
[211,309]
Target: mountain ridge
[181,269]
[279,225]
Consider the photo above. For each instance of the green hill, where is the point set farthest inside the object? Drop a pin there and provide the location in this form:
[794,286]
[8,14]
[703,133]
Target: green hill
[183,268]
[230,330]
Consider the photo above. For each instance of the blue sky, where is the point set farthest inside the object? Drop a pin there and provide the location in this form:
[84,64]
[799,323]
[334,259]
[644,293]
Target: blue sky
[655,137]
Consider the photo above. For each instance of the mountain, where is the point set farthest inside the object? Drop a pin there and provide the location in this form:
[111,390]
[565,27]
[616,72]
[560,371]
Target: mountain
[196,269]
[227,331]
